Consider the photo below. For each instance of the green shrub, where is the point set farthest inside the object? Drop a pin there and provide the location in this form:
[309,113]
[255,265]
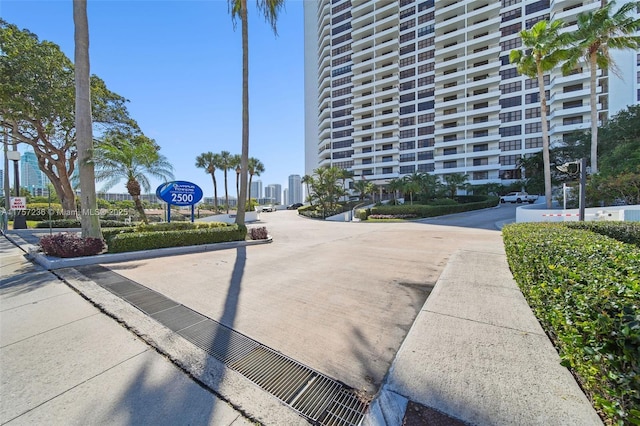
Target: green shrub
[125,242]
[75,223]
[259,233]
[178,226]
[420,210]
[585,290]
[442,202]
[627,232]
[363,214]
[40,211]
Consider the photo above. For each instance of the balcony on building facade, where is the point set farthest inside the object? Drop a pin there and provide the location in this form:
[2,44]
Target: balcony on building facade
[491,53]
[567,128]
[559,113]
[491,124]
[564,10]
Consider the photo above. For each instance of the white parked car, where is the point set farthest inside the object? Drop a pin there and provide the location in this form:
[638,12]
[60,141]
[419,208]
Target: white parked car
[518,197]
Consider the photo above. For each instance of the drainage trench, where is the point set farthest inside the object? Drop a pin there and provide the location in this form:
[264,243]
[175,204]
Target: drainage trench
[319,398]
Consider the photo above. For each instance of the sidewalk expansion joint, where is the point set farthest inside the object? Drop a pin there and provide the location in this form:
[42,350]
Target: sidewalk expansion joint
[50,330]
[315,396]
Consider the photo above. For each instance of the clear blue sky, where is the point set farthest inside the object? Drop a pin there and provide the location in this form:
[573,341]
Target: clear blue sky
[179,62]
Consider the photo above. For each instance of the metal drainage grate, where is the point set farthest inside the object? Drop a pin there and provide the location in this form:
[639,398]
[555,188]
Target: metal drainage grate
[319,398]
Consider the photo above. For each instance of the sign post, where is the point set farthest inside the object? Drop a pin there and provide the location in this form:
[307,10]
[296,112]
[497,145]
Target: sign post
[179,193]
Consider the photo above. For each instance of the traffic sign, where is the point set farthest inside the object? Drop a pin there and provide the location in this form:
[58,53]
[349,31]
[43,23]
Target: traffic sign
[18,203]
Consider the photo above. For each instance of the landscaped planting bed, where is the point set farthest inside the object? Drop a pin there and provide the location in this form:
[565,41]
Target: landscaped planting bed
[584,288]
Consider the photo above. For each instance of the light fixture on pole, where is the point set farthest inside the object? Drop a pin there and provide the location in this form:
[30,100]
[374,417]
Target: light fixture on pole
[572,168]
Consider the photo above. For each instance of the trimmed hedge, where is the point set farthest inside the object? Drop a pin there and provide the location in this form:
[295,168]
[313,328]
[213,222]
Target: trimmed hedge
[585,290]
[627,232]
[421,210]
[178,226]
[75,223]
[71,245]
[135,241]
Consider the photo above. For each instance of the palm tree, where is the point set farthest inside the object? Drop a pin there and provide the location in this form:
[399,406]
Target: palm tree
[236,161]
[598,33]
[396,185]
[308,180]
[345,174]
[412,184]
[226,163]
[255,168]
[209,162]
[545,50]
[84,132]
[455,181]
[270,10]
[134,161]
[363,187]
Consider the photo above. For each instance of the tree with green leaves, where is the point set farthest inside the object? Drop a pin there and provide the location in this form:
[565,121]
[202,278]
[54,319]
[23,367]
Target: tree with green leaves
[453,182]
[326,189]
[620,142]
[396,185]
[84,129]
[226,164]
[37,104]
[599,32]
[412,184]
[308,180]
[238,8]
[255,169]
[546,47]
[133,160]
[209,162]
[363,187]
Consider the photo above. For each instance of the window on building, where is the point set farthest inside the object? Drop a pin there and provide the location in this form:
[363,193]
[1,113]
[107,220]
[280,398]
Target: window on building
[480,175]
[407,97]
[510,15]
[481,119]
[407,170]
[425,155]
[515,86]
[511,29]
[509,160]
[572,120]
[449,164]
[425,130]
[506,117]
[404,158]
[532,112]
[508,73]
[510,130]
[509,45]
[510,102]
[408,133]
[387,170]
[409,121]
[533,142]
[572,104]
[426,168]
[426,143]
[428,54]
[409,60]
[513,145]
[481,161]
[449,138]
[407,145]
[408,109]
[425,105]
[480,133]
[449,151]
[480,147]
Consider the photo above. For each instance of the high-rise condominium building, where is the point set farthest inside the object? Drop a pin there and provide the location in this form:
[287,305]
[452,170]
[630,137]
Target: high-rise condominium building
[274,192]
[256,189]
[295,189]
[407,86]
[31,177]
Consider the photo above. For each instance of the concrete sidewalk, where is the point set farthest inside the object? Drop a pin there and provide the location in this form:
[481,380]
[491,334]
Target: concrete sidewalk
[65,362]
[477,353]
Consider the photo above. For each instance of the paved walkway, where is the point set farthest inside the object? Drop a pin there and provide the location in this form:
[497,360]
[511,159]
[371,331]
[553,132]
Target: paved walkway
[474,352]
[63,362]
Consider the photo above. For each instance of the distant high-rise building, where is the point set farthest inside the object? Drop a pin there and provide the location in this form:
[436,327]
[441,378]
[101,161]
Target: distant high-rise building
[31,177]
[397,87]
[295,189]
[285,195]
[274,192]
[256,189]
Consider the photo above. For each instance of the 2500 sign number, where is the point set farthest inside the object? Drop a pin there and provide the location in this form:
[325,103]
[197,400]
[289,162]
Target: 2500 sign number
[181,198]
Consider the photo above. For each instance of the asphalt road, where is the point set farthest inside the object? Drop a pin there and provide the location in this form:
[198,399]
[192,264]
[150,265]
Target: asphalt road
[479,219]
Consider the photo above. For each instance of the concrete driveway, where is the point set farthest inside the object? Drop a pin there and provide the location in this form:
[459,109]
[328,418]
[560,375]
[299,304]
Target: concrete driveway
[338,297]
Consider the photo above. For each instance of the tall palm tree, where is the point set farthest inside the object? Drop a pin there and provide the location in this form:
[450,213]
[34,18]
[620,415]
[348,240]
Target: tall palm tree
[255,168]
[209,162]
[84,132]
[545,49]
[236,162]
[598,33]
[133,161]
[226,163]
[308,180]
[270,10]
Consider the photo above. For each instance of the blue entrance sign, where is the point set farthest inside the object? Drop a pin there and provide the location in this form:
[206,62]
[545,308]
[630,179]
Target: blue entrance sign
[179,193]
